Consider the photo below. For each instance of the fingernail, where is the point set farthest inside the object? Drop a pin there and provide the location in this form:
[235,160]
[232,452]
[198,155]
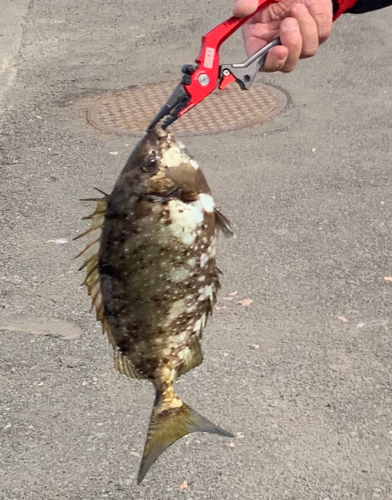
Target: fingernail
[290,25]
[244,7]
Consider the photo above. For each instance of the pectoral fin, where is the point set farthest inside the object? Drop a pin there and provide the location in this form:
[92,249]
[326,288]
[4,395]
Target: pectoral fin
[223,223]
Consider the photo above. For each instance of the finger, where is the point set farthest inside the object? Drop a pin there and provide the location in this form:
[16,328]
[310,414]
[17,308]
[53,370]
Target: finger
[276,59]
[321,11]
[256,35]
[308,28]
[243,8]
[291,38]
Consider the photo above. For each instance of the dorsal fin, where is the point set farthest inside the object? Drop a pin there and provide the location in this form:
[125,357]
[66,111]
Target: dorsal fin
[92,280]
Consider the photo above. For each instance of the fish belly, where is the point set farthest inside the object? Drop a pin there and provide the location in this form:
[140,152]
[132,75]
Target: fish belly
[159,285]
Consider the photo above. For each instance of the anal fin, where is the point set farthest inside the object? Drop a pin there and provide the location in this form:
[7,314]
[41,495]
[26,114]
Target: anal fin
[123,365]
[193,358]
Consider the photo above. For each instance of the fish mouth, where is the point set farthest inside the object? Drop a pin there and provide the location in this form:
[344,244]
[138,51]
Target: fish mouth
[164,138]
[157,134]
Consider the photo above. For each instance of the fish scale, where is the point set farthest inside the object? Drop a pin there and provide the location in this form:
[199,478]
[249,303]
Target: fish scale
[152,276]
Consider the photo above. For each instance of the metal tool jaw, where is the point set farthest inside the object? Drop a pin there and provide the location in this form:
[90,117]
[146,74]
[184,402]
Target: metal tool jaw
[176,102]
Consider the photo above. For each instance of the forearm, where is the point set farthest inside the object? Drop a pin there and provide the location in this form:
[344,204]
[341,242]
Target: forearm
[358,7]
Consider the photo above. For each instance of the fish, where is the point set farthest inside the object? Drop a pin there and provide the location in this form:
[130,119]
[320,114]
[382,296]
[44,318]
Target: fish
[153,279]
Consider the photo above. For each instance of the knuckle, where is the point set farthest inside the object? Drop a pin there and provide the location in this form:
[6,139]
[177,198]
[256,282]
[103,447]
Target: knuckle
[320,6]
[272,67]
[288,67]
[324,33]
[322,14]
[273,63]
[309,52]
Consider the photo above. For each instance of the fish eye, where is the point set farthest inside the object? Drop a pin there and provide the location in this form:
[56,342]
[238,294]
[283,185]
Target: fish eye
[150,163]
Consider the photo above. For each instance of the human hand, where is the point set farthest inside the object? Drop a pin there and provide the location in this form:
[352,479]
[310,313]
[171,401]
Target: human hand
[301,25]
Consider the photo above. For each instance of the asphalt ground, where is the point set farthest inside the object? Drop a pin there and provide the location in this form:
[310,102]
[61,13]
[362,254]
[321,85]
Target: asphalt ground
[298,355]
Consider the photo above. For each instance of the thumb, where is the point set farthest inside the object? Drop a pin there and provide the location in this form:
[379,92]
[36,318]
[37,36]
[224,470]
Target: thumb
[243,8]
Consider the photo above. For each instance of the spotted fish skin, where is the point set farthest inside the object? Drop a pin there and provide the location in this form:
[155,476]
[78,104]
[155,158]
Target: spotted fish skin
[157,278]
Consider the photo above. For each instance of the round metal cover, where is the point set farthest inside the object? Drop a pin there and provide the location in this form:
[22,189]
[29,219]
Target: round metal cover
[129,111]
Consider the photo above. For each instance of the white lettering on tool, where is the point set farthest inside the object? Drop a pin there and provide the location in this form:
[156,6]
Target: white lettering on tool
[209,58]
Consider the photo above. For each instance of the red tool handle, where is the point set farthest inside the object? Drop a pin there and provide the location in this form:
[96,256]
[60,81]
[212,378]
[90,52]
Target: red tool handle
[205,79]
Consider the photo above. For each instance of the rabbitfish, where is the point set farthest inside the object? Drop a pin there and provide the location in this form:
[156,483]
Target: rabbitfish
[152,275]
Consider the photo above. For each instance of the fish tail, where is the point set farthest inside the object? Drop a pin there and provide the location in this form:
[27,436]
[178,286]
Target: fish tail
[167,426]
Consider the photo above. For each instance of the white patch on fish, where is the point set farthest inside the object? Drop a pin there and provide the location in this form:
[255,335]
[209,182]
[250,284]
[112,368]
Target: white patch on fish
[174,157]
[182,337]
[185,220]
[194,163]
[206,202]
[176,309]
[205,292]
[204,259]
[197,325]
[178,275]
[212,248]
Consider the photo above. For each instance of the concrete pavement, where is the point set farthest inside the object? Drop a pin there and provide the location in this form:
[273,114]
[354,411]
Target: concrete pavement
[11,21]
[302,374]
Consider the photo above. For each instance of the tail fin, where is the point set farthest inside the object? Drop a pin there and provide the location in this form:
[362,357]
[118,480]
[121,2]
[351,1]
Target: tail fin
[169,426]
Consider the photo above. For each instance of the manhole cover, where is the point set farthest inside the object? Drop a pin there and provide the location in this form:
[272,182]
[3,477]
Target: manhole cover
[129,111]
